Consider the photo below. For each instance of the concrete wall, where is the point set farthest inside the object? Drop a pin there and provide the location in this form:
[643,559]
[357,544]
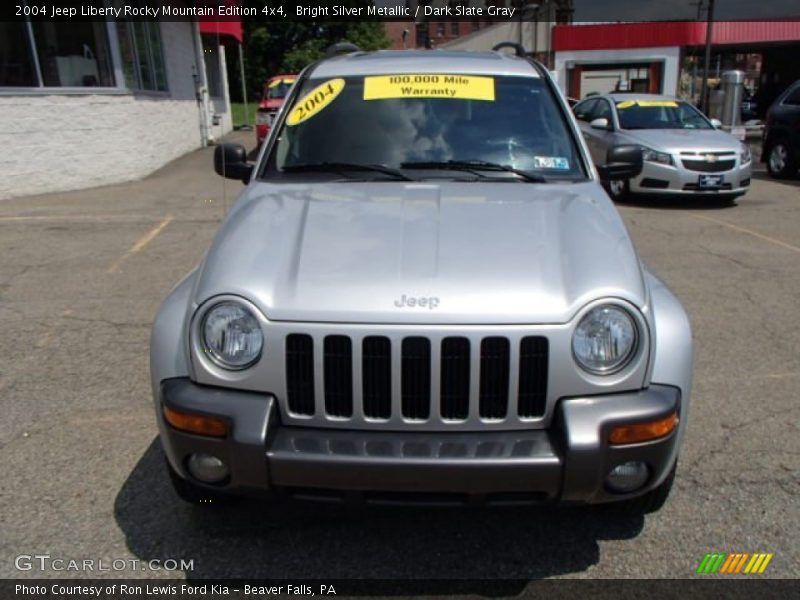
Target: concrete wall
[669,55]
[55,142]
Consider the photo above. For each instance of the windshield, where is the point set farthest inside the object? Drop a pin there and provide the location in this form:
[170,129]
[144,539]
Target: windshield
[660,114]
[278,89]
[428,122]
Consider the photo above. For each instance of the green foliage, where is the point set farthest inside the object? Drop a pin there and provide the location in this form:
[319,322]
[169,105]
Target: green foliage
[274,45]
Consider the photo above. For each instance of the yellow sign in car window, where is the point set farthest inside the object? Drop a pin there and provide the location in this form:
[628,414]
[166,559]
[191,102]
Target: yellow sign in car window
[277,82]
[428,85]
[648,103]
[315,101]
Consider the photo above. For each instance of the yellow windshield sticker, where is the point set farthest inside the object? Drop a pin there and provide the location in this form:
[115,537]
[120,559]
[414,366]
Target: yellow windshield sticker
[315,101]
[428,85]
[648,103]
[277,82]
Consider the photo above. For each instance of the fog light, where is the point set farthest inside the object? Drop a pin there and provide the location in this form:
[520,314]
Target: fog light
[627,477]
[207,468]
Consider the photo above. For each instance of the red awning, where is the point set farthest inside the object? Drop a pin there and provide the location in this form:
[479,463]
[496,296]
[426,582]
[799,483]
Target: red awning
[229,30]
[672,33]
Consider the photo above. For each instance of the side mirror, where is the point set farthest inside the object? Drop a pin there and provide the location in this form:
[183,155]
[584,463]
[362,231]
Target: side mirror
[230,161]
[716,123]
[600,123]
[622,162]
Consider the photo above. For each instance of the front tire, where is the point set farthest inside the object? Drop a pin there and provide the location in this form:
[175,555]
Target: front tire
[781,162]
[618,189]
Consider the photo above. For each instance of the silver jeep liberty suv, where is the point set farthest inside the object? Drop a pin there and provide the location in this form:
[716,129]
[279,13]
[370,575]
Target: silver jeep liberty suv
[423,292]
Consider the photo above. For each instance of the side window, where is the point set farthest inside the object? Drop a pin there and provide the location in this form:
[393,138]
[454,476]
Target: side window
[793,99]
[603,111]
[584,110]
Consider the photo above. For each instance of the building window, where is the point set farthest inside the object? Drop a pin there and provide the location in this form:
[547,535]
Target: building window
[454,28]
[422,35]
[66,54]
[476,25]
[17,68]
[440,29]
[142,57]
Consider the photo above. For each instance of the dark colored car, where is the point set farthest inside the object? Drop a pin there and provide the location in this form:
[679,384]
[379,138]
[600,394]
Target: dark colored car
[781,144]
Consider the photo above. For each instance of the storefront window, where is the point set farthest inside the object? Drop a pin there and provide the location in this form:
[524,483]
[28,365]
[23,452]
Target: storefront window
[73,54]
[142,57]
[16,64]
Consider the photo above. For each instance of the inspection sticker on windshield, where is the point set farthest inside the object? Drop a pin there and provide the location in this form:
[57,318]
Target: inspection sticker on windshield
[551,162]
[428,85]
[315,101]
[648,103]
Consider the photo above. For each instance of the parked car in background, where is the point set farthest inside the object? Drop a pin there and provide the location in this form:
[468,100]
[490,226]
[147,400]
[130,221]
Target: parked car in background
[424,293]
[684,152]
[781,142]
[275,90]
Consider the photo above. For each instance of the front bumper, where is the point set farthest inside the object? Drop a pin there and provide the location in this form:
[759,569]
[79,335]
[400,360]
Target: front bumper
[567,462]
[658,179]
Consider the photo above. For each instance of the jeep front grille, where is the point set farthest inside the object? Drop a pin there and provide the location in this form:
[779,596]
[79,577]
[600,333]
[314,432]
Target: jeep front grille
[365,377]
[376,371]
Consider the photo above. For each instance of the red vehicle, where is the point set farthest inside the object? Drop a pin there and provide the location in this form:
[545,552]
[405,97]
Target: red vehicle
[275,91]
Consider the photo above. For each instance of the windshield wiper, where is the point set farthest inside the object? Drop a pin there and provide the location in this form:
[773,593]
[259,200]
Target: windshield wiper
[345,166]
[474,166]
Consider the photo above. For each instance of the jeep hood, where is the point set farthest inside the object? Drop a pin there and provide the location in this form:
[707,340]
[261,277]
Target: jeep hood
[486,253]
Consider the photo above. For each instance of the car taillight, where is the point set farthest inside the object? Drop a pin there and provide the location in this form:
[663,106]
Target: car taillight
[263,118]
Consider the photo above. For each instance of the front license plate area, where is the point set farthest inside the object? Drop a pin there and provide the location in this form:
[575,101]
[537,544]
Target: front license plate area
[707,182]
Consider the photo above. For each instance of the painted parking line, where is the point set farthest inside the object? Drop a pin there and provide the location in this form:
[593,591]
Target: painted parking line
[76,218]
[755,234]
[140,244]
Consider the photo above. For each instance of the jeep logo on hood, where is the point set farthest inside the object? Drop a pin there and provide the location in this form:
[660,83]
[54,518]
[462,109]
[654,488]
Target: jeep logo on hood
[404,301]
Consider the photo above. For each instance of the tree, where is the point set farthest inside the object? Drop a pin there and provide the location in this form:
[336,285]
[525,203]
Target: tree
[276,45]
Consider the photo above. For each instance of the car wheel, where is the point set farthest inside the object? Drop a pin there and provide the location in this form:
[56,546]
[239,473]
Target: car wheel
[780,162]
[618,189]
[650,502]
[194,494]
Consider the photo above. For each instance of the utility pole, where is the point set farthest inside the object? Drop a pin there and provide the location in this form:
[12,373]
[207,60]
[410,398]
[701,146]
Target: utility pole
[704,91]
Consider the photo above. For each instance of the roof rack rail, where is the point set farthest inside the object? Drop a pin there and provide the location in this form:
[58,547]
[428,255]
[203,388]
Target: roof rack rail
[335,49]
[518,49]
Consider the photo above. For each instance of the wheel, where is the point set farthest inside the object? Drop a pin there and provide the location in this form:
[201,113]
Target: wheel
[650,502]
[780,161]
[618,189]
[194,494]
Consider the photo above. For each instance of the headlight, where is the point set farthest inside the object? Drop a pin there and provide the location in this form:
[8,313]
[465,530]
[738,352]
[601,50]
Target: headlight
[605,340]
[744,155]
[654,156]
[232,336]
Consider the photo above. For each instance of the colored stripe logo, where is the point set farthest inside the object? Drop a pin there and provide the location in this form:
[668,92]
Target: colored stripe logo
[741,563]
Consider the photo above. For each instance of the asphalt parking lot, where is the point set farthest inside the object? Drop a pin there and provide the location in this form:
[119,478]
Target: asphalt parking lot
[83,272]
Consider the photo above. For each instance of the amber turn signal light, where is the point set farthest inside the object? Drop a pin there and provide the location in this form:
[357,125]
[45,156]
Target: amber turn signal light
[199,424]
[643,432]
